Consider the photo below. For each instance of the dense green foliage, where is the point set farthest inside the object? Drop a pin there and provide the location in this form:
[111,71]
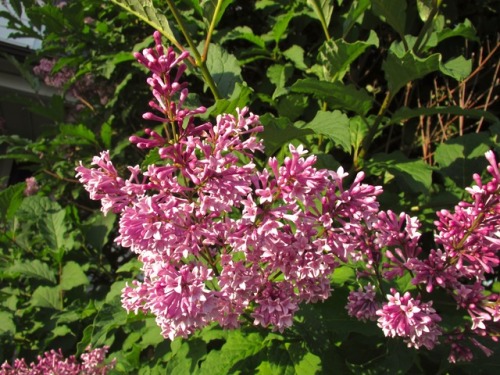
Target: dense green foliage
[399,89]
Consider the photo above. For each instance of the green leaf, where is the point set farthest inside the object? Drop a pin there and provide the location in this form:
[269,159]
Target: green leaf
[399,70]
[292,106]
[464,29]
[36,206]
[296,55]
[224,69]
[334,125]
[279,131]
[6,323]
[80,133]
[304,362]
[238,348]
[245,33]
[53,229]
[336,56]
[458,68]
[338,95]
[343,274]
[34,269]
[73,276]
[106,133]
[239,99]
[359,129]
[45,296]
[393,12]
[97,228]
[281,25]
[323,10]
[424,8]
[414,175]
[145,10]
[356,13]
[208,10]
[10,200]
[461,157]
[279,75]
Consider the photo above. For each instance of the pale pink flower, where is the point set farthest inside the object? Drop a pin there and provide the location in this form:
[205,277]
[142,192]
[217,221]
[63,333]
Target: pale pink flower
[31,186]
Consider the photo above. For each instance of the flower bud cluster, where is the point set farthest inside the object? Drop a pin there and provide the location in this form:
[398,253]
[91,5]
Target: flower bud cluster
[224,241]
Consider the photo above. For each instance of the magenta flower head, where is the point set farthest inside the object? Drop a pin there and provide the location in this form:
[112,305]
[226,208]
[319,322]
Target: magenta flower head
[362,304]
[219,240]
[222,241]
[415,321]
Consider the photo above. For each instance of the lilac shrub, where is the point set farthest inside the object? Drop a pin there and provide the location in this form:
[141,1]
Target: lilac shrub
[53,362]
[222,241]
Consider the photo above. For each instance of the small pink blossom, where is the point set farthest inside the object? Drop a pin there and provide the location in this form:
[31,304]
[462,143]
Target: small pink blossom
[362,304]
[415,321]
[31,186]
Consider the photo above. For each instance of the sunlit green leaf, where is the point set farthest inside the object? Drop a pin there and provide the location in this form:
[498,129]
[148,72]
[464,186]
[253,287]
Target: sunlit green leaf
[400,70]
[34,269]
[336,56]
[145,10]
[72,276]
[334,125]
[45,296]
[338,95]
[53,229]
[224,69]
[458,68]
[7,324]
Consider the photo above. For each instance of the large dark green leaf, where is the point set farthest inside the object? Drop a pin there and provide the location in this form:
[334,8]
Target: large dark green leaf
[224,69]
[334,125]
[279,131]
[34,269]
[393,12]
[238,347]
[53,229]
[338,95]
[10,200]
[400,70]
[459,158]
[414,175]
[72,276]
[97,229]
[49,297]
[336,56]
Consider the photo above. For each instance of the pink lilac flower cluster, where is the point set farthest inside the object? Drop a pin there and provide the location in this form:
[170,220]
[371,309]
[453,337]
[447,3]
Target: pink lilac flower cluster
[221,241]
[53,362]
[224,241]
[84,86]
[31,186]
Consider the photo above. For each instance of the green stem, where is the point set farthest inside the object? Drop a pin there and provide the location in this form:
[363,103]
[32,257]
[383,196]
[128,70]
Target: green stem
[426,27]
[211,30]
[199,61]
[373,130]
[322,20]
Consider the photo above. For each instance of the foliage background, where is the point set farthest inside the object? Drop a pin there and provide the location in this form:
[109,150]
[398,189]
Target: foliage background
[370,85]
